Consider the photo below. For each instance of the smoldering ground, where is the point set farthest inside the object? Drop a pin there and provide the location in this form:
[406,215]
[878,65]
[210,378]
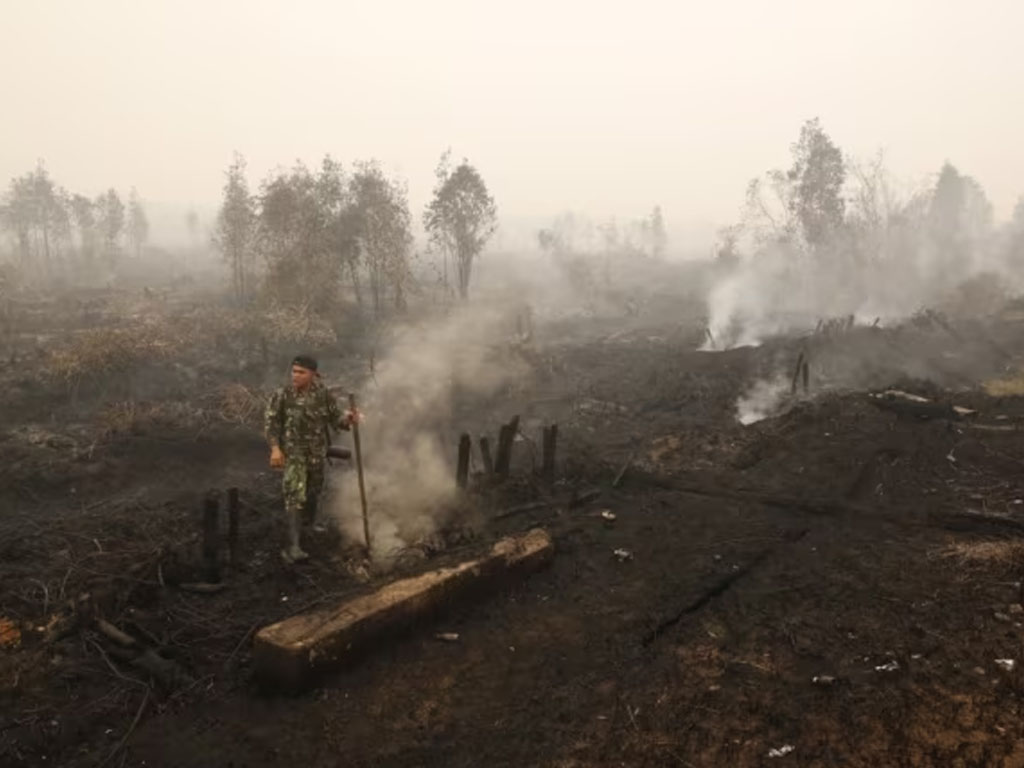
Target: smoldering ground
[407,432]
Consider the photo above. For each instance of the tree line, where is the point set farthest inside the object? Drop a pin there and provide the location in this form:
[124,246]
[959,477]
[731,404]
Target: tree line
[832,210]
[306,233]
[56,231]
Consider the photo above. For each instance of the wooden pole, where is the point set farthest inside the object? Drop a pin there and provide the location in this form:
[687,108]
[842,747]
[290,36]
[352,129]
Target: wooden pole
[233,527]
[797,370]
[507,435]
[462,470]
[359,472]
[211,538]
[485,455]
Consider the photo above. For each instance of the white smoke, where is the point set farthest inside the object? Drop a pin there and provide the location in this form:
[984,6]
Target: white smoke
[407,404]
[764,398]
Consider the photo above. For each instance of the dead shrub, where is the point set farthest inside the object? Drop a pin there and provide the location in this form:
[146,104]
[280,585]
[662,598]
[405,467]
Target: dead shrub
[93,355]
[238,404]
[297,325]
[130,417]
[998,555]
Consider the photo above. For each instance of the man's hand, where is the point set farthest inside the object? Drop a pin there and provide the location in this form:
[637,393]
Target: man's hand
[276,457]
[353,417]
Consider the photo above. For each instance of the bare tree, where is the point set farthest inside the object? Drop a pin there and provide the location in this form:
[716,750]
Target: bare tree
[461,217]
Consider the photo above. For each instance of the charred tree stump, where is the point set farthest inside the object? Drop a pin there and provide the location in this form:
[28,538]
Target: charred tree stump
[462,470]
[233,557]
[211,538]
[506,437]
[550,442]
[485,455]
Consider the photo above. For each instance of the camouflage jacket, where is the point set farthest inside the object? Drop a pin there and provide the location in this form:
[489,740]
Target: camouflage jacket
[299,421]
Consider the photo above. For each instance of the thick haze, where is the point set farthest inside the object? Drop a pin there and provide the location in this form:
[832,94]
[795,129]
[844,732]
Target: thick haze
[603,108]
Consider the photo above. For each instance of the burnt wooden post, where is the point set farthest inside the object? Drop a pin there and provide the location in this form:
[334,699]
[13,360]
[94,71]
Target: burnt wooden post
[485,455]
[806,374]
[506,437]
[233,527]
[211,538]
[797,370]
[550,442]
[462,470]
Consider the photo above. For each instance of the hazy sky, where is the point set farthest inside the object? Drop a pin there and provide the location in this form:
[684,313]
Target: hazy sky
[601,107]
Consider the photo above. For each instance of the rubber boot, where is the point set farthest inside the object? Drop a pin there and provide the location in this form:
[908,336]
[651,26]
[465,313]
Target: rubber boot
[293,553]
[313,515]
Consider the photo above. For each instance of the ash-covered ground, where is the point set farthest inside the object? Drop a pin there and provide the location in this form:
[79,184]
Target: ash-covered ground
[811,571]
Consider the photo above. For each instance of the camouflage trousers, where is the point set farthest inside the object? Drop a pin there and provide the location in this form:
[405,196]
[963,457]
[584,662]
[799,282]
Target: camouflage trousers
[302,483]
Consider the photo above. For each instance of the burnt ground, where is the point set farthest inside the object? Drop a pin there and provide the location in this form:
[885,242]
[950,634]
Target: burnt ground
[835,582]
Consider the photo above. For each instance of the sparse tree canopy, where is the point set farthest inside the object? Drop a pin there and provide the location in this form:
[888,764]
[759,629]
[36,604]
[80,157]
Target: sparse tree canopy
[817,176]
[138,223]
[384,232]
[235,228]
[110,220]
[35,211]
[461,217]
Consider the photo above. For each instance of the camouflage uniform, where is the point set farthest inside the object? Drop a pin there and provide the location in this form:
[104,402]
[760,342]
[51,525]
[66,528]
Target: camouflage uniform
[298,422]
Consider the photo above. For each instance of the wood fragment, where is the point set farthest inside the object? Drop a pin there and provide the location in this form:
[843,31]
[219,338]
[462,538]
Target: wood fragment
[203,588]
[233,556]
[622,472]
[131,729]
[111,632]
[211,538]
[522,508]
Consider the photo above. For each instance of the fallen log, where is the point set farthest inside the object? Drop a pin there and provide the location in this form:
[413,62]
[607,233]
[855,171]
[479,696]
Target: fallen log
[532,506]
[291,653]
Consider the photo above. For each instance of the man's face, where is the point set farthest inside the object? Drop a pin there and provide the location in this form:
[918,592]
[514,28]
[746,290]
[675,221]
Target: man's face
[302,377]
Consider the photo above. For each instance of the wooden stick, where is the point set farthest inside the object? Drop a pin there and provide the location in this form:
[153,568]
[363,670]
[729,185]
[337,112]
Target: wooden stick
[622,472]
[506,437]
[113,633]
[233,527]
[359,472]
[462,470]
[485,454]
[799,368]
[211,538]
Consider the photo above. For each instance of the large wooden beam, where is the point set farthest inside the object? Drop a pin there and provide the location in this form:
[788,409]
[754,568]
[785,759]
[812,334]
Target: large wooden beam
[293,653]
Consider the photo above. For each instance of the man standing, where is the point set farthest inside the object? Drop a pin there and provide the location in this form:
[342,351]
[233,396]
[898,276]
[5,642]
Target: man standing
[297,424]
